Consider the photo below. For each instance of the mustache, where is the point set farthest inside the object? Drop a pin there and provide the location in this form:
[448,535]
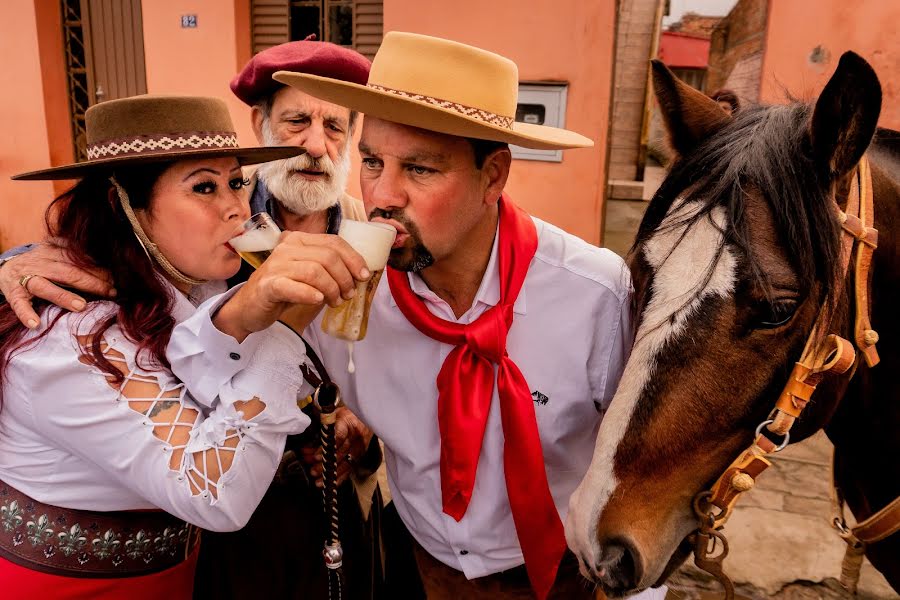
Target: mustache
[396,215]
[305,162]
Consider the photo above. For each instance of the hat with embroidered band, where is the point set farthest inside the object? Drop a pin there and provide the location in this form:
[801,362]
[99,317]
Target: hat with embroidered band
[149,128]
[442,86]
[325,59]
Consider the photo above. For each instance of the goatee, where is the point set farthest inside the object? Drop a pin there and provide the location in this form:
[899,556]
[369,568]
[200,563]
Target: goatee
[412,259]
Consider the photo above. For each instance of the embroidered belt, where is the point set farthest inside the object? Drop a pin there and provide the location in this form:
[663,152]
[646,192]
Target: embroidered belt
[81,543]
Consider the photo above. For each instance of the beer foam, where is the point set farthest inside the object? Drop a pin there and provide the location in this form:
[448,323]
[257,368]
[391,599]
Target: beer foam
[372,240]
[255,240]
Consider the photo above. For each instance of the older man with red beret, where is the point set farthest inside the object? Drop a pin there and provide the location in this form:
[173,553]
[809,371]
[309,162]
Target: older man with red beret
[283,540]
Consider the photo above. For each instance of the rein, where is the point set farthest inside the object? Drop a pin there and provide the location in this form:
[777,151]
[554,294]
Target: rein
[824,353]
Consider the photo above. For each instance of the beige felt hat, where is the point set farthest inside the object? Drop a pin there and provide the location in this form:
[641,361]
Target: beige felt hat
[148,128]
[442,86]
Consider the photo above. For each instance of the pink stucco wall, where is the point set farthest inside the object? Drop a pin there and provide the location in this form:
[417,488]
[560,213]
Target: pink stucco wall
[199,60]
[25,145]
[796,28]
[564,40]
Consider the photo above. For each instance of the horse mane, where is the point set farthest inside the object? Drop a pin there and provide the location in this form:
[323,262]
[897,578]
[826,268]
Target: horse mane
[765,148]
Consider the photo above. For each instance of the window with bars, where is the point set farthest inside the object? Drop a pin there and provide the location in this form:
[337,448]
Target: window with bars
[356,24]
[329,20]
[104,48]
[76,73]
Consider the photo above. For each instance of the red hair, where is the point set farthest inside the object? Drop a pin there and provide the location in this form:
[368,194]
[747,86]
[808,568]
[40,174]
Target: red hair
[90,220]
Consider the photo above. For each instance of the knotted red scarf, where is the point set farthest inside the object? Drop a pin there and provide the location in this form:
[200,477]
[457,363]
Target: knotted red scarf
[465,388]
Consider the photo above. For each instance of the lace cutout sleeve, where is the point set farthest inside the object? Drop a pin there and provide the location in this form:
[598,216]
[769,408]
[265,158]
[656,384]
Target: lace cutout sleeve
[202,451]
[209,466]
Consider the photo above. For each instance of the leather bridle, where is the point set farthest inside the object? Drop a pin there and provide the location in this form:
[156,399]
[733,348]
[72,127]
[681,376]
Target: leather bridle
[824,353]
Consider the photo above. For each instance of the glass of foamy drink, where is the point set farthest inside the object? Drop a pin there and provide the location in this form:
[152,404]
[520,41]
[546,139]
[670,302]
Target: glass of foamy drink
[258,239]
[349,320]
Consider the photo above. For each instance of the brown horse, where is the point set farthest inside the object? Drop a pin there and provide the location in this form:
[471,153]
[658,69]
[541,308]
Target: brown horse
[736,257]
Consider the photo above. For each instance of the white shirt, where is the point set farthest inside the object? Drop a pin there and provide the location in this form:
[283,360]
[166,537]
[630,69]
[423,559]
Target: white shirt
[70,438]
[570,337]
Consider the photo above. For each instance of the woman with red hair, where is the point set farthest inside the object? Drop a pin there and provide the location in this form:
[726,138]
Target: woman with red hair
[108,464]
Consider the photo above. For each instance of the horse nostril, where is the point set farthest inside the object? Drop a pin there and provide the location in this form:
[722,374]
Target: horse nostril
[618,568]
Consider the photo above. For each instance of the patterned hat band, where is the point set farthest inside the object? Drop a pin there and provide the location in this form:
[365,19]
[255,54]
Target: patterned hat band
[478,114]
[145,145]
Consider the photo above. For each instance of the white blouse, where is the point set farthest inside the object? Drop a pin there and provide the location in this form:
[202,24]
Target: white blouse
[71,436]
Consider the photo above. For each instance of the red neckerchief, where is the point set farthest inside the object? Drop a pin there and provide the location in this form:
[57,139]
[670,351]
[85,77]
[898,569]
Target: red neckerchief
[465,388]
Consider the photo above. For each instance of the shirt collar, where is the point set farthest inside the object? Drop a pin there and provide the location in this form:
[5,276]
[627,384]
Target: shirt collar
[335,216]
[261,198]
[488,292]
[183,305]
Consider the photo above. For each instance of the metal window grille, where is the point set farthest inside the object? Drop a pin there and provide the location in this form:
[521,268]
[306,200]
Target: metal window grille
[76,72]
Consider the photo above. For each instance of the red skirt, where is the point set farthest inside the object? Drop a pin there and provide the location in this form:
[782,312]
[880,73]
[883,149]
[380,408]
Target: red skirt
[174,583]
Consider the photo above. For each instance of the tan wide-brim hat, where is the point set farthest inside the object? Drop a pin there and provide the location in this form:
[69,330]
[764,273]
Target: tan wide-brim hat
[149,128]
[442,86]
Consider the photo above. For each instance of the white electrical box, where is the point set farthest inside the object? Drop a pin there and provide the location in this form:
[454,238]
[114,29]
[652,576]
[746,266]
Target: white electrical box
[541,104]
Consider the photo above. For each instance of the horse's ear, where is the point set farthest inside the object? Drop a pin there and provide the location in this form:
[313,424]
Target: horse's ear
[846,115]
[690,115]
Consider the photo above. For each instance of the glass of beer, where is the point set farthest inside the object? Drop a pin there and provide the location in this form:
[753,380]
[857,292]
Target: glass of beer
[349,320]
[257,240]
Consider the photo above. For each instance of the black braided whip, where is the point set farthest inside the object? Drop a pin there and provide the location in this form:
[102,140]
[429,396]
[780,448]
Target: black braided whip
[327,398]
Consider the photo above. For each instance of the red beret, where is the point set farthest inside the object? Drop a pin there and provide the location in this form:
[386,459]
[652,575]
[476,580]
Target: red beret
[324,59]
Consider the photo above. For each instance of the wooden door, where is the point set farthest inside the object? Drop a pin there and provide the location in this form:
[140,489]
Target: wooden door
[114,48]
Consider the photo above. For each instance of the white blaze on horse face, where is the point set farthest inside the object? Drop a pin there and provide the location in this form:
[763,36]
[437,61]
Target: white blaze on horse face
[680,268]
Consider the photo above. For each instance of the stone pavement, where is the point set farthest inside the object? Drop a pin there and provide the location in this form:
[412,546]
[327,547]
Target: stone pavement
[781,543]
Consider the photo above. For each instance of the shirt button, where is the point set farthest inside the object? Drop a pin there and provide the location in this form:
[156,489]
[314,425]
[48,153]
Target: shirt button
[234,356]
[463,552]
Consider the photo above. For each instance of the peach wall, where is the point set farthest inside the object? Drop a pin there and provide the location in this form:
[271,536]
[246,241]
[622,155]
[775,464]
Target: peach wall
[797,27]
[24,146]
[199,61]
[564,40]
[56,96]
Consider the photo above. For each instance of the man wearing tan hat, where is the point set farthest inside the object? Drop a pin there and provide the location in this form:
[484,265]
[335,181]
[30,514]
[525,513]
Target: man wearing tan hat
[499,340]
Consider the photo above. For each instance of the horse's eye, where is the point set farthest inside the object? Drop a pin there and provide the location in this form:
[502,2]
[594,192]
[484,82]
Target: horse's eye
[775,314]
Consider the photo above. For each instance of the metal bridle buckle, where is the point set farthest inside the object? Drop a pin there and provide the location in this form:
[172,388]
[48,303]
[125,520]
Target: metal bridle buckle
[841,526]
[784,443]
[708,540]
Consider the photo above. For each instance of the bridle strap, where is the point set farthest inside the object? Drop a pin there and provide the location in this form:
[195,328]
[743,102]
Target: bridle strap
[822,354]
[867,240]
[831,353]
[881,525]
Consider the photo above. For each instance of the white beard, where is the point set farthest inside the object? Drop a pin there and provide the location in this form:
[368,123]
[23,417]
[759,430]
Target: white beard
[298,195]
